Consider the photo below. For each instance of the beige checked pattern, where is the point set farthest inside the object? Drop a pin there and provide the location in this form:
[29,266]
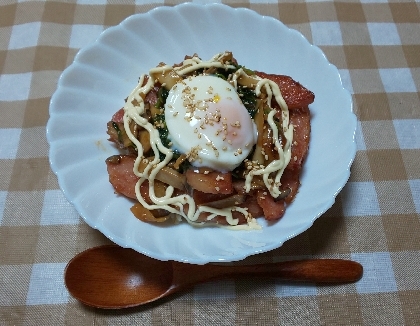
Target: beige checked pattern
[375,44]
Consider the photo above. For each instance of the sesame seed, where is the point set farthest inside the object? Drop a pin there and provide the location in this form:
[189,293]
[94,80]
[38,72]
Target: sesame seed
[237,124]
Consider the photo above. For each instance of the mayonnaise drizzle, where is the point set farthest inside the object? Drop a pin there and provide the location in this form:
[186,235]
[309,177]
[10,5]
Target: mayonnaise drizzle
[135,108]
[278,166]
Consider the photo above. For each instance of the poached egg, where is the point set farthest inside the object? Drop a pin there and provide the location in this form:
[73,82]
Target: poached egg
[208,122]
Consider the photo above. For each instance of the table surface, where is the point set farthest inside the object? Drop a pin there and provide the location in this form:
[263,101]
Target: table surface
[375,219]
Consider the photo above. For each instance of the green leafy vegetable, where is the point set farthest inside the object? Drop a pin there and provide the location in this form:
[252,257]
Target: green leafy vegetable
[249,99]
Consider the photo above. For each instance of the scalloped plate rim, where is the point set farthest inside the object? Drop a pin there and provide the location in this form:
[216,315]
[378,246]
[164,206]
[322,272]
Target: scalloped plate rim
[216,258]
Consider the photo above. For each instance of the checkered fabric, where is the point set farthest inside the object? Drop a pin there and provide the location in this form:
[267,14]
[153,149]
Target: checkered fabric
[375,44]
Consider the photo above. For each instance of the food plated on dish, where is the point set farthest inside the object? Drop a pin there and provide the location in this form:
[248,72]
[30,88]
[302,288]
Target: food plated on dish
[210,141]
[104,73]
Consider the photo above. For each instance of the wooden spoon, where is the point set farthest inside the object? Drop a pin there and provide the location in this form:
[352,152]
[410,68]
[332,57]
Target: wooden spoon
[112,277]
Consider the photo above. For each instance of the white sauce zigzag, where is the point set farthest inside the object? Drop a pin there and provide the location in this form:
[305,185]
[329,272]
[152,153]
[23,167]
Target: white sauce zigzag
[135,108]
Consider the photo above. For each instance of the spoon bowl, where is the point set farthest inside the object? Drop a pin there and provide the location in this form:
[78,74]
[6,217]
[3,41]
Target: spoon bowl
[113,277]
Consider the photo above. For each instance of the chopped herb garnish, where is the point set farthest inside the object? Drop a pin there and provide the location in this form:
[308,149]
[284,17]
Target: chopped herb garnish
[162,95]
[159,119]
[249,99]
[118,130]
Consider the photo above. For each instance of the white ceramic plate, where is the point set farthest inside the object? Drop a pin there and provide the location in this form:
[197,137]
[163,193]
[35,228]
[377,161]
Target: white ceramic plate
[94,86]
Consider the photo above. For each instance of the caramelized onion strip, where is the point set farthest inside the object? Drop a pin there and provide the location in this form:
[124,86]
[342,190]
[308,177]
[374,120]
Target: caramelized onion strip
[167,175]
[227,202]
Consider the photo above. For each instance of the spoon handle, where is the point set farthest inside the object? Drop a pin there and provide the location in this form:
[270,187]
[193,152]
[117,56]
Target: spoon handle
[309,270]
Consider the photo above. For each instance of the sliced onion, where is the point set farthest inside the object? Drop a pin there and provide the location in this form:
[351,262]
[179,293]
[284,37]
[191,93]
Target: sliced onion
[179,161]
[167,78]
[167,175]
[257,183]
[259,121]
[144,139]
[227,202]
[172,178]
[283,194]
[145,215]
[248,81]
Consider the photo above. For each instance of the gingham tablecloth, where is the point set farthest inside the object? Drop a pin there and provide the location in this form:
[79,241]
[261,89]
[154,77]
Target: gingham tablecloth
[375,220]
